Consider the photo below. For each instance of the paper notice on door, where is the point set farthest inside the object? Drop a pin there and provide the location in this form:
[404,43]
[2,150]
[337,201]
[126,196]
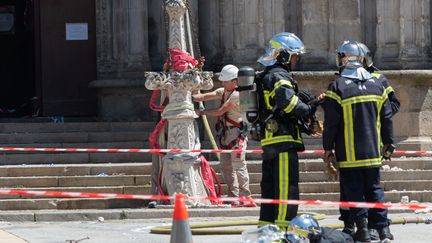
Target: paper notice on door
[76,31]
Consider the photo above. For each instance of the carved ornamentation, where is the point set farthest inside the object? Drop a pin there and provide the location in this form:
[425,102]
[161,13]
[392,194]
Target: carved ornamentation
[188,80]
[181,171]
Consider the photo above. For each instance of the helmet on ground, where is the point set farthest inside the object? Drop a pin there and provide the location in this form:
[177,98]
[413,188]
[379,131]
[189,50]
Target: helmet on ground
[228,73]
[367,58]
[280,48]
[349,53]
[306,226]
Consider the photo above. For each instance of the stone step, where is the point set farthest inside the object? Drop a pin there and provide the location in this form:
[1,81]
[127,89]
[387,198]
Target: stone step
[75,169]
[141,189]
[118,144]
[47,127]
[69,203]
[306,165]
[390,196]
[86,203]
[72,158]
[73,137]
[74,181]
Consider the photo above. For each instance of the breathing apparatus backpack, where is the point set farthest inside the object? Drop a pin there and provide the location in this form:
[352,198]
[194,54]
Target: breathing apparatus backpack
[251,101]
[254,112]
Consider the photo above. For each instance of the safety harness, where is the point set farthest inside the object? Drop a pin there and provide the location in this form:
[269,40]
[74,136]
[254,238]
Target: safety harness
[222,128]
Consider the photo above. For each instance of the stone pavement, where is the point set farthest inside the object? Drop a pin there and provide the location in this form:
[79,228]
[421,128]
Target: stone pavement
[122,231]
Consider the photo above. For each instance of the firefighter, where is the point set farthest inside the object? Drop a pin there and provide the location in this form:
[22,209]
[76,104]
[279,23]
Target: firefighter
[357,119]
[395,105]
[281,109]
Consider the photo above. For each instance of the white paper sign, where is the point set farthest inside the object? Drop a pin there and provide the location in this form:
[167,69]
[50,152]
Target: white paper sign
[76,31]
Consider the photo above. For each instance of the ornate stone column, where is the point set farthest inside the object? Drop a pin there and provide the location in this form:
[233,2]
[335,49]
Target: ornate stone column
[237,31]
[122,57]
[325,24]
[181,170]
[122,38]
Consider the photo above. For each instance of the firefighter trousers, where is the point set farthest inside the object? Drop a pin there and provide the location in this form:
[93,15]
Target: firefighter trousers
[363,185]
[280,178]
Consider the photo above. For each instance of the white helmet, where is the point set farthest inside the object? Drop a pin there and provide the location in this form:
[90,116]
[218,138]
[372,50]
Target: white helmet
[228,72]
[284,42]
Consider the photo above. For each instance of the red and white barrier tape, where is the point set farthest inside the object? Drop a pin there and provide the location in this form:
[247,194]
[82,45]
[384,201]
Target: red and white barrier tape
[216,199]
[157,151]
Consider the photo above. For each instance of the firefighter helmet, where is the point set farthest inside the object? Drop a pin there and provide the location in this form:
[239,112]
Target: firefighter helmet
[349,52]
[367,58]
[306,226]
[280,48]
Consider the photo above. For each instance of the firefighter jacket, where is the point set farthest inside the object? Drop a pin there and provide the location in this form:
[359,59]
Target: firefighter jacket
[357,120]
[394,101]
[281,108]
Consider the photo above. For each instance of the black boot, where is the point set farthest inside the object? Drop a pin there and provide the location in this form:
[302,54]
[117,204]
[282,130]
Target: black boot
[349,228]
[362,233]
[384,234]
[374,235]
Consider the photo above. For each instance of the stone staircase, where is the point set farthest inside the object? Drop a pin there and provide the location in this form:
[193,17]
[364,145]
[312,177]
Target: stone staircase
[130,173]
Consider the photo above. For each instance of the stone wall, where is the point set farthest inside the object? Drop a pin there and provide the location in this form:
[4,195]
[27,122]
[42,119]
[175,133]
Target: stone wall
[131,39]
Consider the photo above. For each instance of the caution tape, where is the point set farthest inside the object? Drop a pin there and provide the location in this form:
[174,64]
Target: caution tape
[157,151]
[411,206]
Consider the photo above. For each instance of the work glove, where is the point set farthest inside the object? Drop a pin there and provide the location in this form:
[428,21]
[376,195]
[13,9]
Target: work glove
[329,160]
[306,96]
[388,150]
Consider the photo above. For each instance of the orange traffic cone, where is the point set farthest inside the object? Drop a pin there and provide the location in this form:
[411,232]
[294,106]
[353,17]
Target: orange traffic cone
[180,231]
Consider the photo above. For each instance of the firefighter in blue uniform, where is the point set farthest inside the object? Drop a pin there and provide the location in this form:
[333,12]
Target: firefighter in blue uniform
[357,120]
[281,108]
[349,227]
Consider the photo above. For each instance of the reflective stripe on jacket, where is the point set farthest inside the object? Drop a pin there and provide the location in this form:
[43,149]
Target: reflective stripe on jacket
[279,90]
[357,120]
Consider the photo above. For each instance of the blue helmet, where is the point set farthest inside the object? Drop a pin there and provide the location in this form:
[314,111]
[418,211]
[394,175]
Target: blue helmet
[284,42]
[305,225]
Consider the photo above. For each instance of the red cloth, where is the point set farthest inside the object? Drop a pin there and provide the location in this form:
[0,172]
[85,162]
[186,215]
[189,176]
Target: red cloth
[180,60]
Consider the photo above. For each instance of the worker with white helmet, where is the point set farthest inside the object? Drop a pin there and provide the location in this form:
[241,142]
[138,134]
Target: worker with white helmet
[231,132]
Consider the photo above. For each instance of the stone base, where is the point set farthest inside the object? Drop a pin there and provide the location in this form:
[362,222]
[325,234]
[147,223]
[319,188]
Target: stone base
[123,100]
[415,143]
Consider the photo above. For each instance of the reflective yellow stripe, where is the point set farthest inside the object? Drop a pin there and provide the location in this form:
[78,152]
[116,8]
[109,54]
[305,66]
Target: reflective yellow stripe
[364,98]
[376,75]
[262,222]
[283,186]
[275,44]
[278,84]
[333,95]
[360,163]
[294,101]
[348,133]
[378,125]
[282,224]
[388,90]
[349,124]
[279,139]
[267,99]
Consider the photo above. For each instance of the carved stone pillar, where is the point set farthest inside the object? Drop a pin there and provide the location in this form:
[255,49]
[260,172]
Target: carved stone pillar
[237,31]
[122,57]
[325,25]
[181,171]
[122,38]
[403,34]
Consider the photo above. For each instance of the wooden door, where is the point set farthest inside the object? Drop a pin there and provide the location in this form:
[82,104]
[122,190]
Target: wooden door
[67,31]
